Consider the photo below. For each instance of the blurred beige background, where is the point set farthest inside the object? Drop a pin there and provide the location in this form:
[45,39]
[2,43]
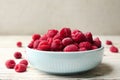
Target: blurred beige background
[18,17]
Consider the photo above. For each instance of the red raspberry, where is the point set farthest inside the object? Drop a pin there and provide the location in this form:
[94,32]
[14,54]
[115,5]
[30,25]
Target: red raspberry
[43,45]
[44,37]
[89,37]
[78,37]
[65,32]
[19,44]
[44,42]
[35,44]
[20,68]
[52,32]
[97,42]
[70,48]
[50,40]
[56,45]
[17,55]
[10,64]
[83,49]
[24,61]
[114,49]
[67,41]
[108,42]
[76,31]
[30,45]
[86,45]
[76,44]
[35,36]
[57,36]
[94,47]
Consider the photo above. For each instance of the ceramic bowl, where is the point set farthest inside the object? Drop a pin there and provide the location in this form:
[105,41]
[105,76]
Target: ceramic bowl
[64,62]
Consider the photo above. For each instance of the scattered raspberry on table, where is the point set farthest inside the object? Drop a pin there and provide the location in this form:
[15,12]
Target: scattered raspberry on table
[22,65]
[10,64]
[24,61]
[17,55]
[19,44]
[108,42]
[20,68]
[114,49]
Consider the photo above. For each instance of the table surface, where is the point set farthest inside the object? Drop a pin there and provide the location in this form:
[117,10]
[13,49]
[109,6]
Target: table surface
[108,69]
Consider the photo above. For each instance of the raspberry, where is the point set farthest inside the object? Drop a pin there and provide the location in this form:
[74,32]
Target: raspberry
[56,45]
[10,64]
[114,49]
[52,32]
[75,31]
[89,37]
[108,42]
[50,40]
[17,55]
[30,45]
[97,42]
[65,32]
[86,45]
[35,44]
[25,62]
[44,42]
[44,37]
[57,36]
[43,45]
[94,47]
[78,37]
[19,44]
[76,44]
[70,48]
[20,68]
[67,41]
[83,49]
[35,36]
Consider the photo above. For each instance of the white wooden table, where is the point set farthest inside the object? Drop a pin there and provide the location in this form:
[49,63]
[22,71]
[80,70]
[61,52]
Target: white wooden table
[108,69]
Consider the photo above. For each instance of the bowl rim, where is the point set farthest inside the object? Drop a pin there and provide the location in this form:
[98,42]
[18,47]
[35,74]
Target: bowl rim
[61,52]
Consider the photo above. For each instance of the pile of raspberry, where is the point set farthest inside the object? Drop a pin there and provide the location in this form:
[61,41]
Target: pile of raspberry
[65,40]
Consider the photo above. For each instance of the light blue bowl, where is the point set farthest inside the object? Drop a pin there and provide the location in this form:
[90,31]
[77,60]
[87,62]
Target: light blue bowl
[64,62]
